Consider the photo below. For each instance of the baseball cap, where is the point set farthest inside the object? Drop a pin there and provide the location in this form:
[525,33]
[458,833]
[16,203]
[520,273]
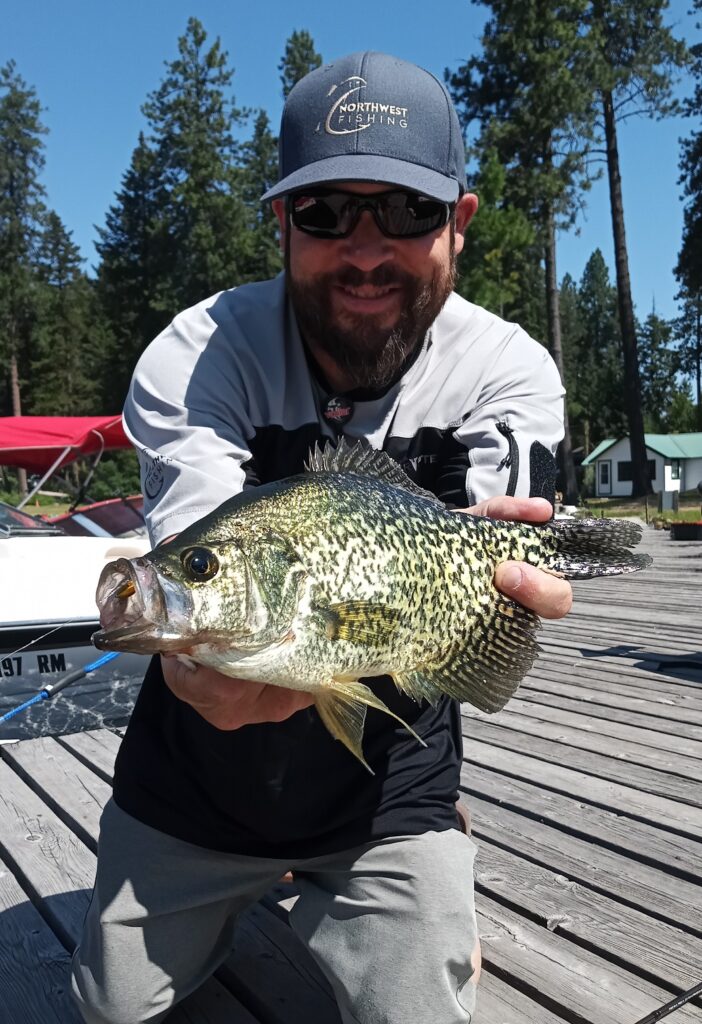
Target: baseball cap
[371,117]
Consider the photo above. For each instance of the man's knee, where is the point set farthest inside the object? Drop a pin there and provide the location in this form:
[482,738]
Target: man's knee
[123,1005]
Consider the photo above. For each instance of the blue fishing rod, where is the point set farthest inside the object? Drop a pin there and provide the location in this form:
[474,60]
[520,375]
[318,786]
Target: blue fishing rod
[52,689]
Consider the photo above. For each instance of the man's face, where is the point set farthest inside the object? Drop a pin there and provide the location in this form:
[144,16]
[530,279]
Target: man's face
[365,302]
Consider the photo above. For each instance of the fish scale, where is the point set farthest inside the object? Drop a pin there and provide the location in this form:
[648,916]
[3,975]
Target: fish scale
[350,571]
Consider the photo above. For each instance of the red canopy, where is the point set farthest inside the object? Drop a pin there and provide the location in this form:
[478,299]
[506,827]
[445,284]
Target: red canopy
[36,442]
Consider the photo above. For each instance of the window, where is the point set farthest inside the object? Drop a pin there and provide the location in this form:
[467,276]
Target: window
[675,469]
[625,472]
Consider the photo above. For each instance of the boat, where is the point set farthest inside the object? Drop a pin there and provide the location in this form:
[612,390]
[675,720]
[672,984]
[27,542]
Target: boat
[48,575]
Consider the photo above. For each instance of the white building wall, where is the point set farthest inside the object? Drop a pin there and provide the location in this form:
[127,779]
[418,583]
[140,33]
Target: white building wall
[621,452]
[691,474]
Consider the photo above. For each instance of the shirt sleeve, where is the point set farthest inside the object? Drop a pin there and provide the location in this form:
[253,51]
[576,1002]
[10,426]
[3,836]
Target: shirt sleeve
[187,416]
[514,429]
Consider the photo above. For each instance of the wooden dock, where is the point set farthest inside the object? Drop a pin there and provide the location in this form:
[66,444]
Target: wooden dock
[586,796]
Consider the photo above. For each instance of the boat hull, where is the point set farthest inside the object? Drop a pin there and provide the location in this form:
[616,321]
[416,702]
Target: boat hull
[34,655]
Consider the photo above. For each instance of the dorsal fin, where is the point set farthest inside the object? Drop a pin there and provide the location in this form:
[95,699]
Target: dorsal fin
[359,457]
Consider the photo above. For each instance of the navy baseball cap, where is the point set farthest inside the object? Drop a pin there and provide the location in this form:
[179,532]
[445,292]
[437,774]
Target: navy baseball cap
[371,117]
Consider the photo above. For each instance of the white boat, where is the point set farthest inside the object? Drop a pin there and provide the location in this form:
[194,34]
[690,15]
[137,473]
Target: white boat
[47,617]
[48,613]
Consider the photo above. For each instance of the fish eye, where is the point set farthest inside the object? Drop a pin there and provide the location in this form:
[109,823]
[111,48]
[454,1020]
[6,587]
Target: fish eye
[200,564]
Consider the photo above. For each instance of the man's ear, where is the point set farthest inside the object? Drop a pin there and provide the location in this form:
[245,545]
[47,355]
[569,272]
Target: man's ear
[465,211]
[279,210]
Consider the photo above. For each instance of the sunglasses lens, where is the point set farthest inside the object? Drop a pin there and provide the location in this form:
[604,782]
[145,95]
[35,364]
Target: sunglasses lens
[407,214]
[399,214]
[322,214]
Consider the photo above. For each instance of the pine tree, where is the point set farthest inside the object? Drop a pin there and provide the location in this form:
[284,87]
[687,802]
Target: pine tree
[530,91]
[65,362]
[689,267]
[299,59]
[498,244]
[259,171]
[660,367]
[21,217]
[594,375]
[191,120]
[636,56]
[135,257]
[688,332]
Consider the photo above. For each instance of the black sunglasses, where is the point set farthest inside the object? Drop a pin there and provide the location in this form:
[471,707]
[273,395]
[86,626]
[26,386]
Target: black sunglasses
[327,213]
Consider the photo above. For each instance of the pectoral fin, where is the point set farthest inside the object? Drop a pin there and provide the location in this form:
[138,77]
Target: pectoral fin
[485,668]
[360,622]
[342,707]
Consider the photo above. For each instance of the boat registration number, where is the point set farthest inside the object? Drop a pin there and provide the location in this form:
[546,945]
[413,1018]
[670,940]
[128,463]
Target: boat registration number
[46,664]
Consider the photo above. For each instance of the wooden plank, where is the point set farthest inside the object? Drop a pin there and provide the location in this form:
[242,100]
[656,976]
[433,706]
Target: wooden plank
[589,788]
[689,768]
[52,864]
[578,982]
[75,793]
[639,841]
[590,673]
[34,966]
[97,749]
[628,672]
[212,1004]
[608,713]
[499,1003]
[673,900]
[583,692]
[273,974]
[565,906]
[681,797]
[650,739]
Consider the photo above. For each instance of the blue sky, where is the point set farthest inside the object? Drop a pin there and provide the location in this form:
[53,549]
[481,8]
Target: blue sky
[93,62]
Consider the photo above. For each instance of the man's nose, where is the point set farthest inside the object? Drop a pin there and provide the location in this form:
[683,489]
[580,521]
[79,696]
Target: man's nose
[367,247]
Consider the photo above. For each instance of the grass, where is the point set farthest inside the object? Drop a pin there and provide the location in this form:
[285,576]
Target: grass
[689,508]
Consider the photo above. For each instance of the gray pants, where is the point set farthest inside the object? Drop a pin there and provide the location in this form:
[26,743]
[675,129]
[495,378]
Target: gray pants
[391,924]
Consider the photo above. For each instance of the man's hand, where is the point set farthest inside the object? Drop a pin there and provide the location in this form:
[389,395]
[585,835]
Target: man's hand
[230,703]
[543,593]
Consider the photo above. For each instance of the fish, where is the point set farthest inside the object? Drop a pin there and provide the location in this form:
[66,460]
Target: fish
[348,571]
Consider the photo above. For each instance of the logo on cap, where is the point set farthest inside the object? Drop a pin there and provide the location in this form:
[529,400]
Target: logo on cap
[349,113]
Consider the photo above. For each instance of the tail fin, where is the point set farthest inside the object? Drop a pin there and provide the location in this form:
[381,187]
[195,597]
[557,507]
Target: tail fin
[595,547]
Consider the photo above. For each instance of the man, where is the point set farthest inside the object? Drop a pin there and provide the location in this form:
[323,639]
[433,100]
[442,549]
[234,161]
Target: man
[220,785]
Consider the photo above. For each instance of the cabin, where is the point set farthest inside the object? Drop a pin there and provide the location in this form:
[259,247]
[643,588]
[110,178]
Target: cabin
[674,460]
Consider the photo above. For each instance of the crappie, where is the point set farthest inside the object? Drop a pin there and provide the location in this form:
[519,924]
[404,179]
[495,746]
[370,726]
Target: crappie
[347,571]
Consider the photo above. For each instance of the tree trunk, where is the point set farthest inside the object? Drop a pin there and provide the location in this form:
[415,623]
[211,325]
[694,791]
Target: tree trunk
[698,359]
[553,313]
[641,482]
[17,411]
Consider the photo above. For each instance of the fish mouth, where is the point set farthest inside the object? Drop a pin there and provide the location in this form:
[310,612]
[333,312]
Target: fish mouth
[140,609]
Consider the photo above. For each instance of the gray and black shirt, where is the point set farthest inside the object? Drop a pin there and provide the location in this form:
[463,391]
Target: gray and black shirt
[226,398]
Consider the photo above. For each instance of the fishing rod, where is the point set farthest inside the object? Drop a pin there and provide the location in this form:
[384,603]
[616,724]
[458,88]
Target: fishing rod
[51,689]
[674,1004]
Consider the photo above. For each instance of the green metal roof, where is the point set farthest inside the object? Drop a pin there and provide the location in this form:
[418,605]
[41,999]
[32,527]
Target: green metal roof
[601,447]
[670,446]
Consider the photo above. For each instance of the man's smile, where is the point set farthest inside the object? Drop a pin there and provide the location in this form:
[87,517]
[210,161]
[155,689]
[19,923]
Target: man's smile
[368,298]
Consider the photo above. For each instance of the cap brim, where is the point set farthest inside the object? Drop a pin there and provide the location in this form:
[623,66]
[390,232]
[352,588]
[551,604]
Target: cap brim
[365,167]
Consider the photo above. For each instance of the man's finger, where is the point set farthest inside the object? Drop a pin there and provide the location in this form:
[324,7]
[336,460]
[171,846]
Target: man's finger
[528,510]
[547,595]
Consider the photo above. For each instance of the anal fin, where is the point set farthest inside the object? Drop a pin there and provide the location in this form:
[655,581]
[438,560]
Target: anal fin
[342,707]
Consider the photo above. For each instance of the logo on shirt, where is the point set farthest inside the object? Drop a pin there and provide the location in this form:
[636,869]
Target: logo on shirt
[353,112]
[337,411]
[153,478]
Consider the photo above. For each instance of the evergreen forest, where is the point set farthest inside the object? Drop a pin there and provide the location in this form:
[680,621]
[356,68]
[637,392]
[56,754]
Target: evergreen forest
[542,104]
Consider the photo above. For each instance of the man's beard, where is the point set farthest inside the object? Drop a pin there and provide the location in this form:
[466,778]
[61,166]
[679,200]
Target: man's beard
[369,355]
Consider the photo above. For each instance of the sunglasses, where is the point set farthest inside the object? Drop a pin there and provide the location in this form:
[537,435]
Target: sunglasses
[326,213]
